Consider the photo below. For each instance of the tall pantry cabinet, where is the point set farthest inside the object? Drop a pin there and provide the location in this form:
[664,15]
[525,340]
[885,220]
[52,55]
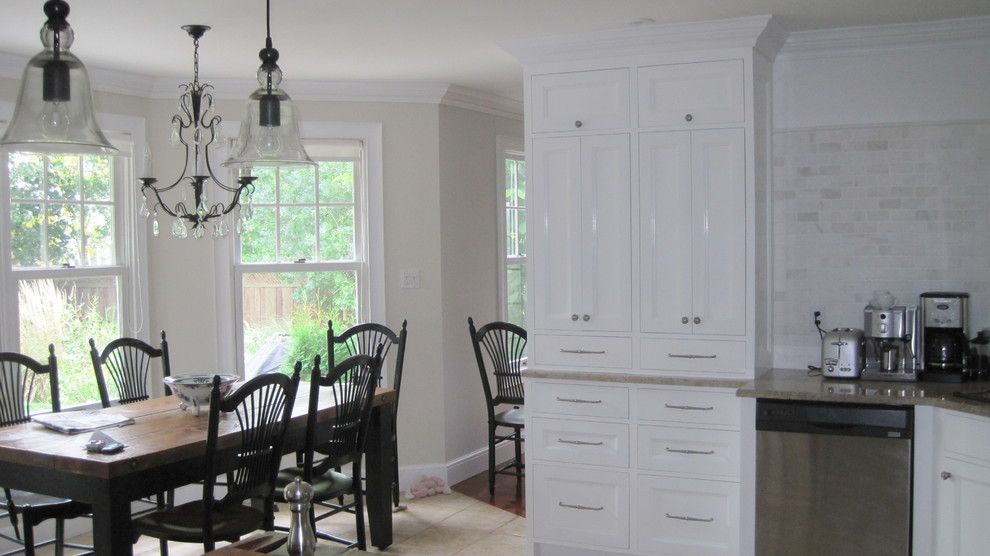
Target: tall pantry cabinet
[647,151]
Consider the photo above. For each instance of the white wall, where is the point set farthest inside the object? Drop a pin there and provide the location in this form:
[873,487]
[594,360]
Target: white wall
[881,181]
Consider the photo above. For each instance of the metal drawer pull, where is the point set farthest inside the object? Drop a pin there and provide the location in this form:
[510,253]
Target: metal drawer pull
[580,507]
[692,452]
[691,356]
[689,407]
[576,400]
[580,442]
[945,475]
[689,518]
[583,351]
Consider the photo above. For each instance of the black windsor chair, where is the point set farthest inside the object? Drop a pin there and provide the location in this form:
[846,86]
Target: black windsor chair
[262,408]
[503,344]
[18,376]
[128,362]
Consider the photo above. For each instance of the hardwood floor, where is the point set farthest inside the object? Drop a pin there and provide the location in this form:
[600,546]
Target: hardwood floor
[507,497]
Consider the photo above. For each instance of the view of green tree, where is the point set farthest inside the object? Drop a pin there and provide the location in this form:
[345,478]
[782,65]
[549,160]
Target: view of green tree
[515,240]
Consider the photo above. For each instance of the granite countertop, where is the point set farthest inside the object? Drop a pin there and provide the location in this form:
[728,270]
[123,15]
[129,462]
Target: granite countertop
[792,384]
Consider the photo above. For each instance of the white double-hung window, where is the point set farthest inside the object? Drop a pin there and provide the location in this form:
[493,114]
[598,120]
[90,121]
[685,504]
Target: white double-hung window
[305,257]
[512,228]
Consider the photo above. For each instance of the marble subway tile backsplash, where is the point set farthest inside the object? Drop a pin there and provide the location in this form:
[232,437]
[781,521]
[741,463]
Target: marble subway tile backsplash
[904,208]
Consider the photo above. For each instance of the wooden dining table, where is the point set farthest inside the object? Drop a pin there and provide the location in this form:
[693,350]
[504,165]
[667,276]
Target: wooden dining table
[165,449]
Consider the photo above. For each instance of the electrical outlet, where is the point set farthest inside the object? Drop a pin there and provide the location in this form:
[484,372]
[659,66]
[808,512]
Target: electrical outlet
[818,316]
[409,278]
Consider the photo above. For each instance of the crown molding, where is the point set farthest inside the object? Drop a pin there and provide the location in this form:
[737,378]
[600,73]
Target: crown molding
[148,87]
[760,32]
[857,40]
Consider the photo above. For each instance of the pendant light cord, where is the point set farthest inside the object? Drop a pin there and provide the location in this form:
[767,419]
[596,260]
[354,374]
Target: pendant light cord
[268,21]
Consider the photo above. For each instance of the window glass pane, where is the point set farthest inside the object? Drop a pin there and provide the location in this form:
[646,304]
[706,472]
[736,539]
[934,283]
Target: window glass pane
[63,177]
[336,233]
[286,313]
[26,235]
[515,280]
[26,175]
[99,235]
[298,185]
[64,227]
[297,233]
[264,186]
[67,313]
[521,232]
[337,182]
[258,240]
[97,178]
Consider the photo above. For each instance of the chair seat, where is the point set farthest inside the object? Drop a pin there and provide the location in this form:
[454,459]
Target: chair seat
[40,507]
[511,418]
[329,485]
[184,523]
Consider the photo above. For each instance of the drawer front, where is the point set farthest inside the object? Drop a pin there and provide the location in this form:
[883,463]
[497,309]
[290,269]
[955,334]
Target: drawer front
[578,442]
[713,453]
[581,506]
[963,435]
[580,101]
[577,399]
[692,94]
[700,407]
[687,517]
[722,357]
[582,351]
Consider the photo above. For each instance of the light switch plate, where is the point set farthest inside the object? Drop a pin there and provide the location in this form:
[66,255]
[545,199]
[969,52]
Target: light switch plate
[409,278]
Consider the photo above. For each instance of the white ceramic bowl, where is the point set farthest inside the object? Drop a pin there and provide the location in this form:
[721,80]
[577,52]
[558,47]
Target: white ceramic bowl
[194,390]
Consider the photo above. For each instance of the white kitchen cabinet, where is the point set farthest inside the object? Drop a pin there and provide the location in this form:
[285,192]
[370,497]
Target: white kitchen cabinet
[687,517]
[962,504]
[581,240]
[581,506]
[580,101]
[694,94]
[693,232]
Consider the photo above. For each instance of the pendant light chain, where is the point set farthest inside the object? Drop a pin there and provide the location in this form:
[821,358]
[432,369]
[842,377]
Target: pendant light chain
[196,62]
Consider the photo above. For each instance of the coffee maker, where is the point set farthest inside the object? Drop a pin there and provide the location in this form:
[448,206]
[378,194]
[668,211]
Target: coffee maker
[945,336]
[892,343]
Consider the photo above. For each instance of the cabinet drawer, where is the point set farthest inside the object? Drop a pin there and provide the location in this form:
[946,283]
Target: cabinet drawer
[713,453]
[580,101]
[687,517]
[578,399]
[692,94]
[578,442]
[723,357]
[964,435]
[704,407]
[582,351]
[579,506]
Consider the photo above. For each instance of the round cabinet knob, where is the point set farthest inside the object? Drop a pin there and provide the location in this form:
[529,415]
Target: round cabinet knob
[574,317]
[578,123]
[945,475]
[697,320]
[684,320]
[586,318]
[688,118]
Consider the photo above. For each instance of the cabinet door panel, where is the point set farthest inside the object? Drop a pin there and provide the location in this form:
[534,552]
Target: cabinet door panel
[556,245]
[961,506]
[665,231]
[597,99]
[710,92]
[606,245]
[719,241]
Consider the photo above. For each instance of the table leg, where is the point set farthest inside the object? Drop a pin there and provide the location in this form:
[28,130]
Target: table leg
[378,463]
[112,533]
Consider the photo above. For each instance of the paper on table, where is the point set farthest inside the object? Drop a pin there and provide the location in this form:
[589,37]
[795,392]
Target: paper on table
[74,422]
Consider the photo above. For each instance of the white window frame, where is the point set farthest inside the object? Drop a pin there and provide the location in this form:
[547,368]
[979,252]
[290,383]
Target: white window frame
[369,244]
[128,134]
[507,147]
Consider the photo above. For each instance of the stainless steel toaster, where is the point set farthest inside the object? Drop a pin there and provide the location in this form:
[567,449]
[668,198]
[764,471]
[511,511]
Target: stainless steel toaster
[842,353]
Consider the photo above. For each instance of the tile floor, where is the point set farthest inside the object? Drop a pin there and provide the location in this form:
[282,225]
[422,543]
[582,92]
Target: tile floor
[442,525]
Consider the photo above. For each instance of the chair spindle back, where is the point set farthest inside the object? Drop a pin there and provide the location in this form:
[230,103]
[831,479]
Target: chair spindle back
[18,375]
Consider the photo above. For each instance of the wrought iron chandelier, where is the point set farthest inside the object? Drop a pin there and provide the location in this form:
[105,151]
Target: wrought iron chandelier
[197,127]
[269,134]
[54,111]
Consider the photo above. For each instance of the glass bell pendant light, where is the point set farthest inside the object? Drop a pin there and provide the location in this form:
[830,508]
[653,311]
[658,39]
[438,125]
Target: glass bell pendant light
[269,134]
[54,111]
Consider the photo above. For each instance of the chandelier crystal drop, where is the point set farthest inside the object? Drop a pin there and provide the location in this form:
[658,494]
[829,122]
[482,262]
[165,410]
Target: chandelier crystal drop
[197,128]
[54,111]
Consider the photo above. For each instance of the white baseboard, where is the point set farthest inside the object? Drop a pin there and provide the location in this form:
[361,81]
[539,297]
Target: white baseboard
[456,470]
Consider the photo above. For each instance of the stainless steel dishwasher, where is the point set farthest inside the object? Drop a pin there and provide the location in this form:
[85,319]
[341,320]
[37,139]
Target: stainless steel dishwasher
[833,479]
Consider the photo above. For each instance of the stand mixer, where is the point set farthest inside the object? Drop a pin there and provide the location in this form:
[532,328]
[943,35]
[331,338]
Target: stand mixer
[893,344]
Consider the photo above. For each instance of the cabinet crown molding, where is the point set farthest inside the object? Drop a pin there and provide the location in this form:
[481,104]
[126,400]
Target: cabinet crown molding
[762,33]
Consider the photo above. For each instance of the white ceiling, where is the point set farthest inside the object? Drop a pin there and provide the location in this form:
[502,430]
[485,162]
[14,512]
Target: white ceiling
[442,41]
